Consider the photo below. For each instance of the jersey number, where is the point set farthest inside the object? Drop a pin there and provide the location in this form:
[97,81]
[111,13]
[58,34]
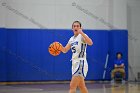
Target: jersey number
[73,49]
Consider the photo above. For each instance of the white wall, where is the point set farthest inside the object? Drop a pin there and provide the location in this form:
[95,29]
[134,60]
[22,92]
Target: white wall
[133,25]
[61,13]
[2,14]
[120,14]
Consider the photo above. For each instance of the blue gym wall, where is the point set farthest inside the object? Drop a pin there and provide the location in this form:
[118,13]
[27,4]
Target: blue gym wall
[3,68]
[24,54]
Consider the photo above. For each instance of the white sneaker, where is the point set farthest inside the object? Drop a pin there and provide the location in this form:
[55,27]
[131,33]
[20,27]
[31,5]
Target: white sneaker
[112,81]
[123,81]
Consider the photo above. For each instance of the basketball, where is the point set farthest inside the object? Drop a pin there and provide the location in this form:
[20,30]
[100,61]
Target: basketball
[55,48]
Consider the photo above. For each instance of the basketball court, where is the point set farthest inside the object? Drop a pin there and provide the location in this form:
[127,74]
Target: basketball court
[63,88]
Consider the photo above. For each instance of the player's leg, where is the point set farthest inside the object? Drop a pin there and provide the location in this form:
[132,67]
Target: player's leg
[73,84]
[123,72]
[82,85]
[113,73]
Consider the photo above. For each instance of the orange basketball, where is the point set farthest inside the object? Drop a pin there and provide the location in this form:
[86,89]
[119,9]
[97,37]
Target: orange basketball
[55,48]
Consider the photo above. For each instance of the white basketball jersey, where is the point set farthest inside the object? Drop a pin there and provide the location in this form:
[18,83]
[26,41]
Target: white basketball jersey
[78,47]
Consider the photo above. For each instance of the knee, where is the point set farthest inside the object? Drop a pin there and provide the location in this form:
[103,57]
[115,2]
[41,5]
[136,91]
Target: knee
[81,86]
[73,86]
[113,71]
[72,89]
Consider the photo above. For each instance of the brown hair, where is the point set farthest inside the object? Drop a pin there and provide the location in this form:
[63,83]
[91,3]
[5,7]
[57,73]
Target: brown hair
[77,22]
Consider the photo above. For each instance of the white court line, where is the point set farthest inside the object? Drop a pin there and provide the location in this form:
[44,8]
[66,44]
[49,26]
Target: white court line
[105,65]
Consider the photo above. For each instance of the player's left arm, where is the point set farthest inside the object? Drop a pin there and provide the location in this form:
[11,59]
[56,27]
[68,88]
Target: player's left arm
[66,48]
[86,38]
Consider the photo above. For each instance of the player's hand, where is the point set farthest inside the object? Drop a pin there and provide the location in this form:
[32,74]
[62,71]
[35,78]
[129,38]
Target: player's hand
[80,31]
[61,47]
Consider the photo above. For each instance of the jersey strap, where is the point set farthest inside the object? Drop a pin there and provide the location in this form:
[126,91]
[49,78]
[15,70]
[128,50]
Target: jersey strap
[83,47]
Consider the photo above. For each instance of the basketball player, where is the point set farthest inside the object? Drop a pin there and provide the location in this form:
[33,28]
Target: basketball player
[78,44]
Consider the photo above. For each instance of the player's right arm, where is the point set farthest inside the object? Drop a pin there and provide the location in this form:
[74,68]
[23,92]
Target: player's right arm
[66,48]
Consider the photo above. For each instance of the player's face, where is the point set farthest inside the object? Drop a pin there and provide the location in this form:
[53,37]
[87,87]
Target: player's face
[119,56]
[75,28]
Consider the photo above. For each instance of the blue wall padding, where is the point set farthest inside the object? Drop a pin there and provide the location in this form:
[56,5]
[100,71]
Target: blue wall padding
[3,70]
[25,56]
[118,41]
